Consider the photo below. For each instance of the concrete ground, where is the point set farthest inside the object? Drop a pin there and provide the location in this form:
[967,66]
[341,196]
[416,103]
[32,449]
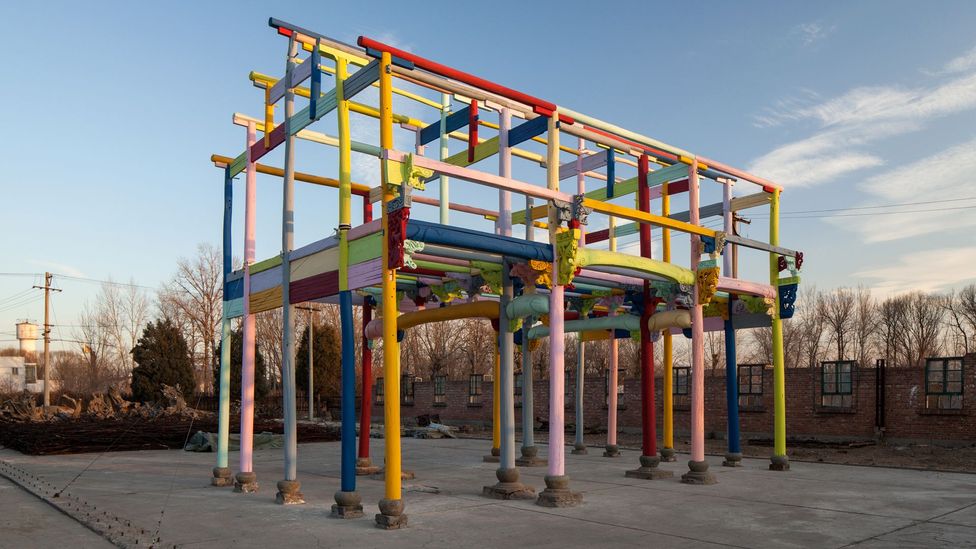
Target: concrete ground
[165,495]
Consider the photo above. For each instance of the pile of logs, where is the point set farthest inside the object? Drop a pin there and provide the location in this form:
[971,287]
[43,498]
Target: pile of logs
[110,423]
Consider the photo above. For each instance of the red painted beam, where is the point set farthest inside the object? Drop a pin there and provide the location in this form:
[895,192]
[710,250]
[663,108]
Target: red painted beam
[540,106]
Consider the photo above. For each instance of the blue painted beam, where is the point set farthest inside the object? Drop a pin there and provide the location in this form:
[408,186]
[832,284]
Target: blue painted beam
[528,130]
[455,121]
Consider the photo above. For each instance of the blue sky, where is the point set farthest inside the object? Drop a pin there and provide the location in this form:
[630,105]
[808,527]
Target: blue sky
[112,110]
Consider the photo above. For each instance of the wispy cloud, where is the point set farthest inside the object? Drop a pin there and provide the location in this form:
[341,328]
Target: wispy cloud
[947,174]
[59,268]
[811,33]
[917,271]
[962,63]
[853,120]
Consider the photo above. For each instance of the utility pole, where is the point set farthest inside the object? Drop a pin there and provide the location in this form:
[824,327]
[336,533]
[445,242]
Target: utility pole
[48,277]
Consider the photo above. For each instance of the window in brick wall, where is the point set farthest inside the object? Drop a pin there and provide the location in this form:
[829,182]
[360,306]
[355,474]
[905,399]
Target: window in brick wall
[518,389]
[569,388]
[751,385]
[943,383]
[681,381]
[407,389]
[837,384]
[440,390]
[474,388]
[15,371]
[378,391]
[620,386]
[681,387]
[30,373]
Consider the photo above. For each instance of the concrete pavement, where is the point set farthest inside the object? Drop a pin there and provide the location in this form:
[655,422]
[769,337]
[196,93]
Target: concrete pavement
[166,494]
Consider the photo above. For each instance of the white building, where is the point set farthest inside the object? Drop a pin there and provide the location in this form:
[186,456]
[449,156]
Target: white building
[16,375]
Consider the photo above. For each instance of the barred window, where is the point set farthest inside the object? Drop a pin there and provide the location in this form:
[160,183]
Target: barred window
[943,383]
[837,384]
[440,389]
[474,388]
[407,389]
[751,385]
[518,389]
[682,381]
[378,391]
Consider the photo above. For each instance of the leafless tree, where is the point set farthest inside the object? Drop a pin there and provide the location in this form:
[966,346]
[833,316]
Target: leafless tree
[837,309]
[865,324]
[109,328]
[954,305]
[193,300]
[924,324]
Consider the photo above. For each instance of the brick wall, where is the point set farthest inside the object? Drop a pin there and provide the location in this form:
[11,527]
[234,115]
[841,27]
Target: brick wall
[905,415]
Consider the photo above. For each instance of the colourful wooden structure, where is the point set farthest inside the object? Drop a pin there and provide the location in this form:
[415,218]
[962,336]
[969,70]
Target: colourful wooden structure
[493,264]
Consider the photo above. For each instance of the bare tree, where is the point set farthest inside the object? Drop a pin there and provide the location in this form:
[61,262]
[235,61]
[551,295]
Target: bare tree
[193,300]
[893,329]
[268,333]
[954,306]
[837,309]
[924,322]
[109,328]
[865,324]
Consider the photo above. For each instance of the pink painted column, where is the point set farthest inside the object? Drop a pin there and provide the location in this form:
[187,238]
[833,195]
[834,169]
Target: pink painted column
[698,468]
[246,480]
[557,492]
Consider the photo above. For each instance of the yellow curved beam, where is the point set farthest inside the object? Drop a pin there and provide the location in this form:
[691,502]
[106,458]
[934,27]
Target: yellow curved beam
[670,271]
[482,309]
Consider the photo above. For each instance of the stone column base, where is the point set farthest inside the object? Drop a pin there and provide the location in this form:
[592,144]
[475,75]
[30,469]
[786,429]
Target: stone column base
[391,515]
[558,494]
[493,457]
[348,505]
[246,483]
[648,469]
[530,458]
[732,459]
[364,466]
[698,474]
[508,486]
[779,463]
[288,493]
[222,476]
[611,451]
[579,450]
[667,455]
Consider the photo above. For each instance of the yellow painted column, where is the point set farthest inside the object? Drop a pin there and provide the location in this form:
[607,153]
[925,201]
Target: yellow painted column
[779,459]
[391,348]
[667,449]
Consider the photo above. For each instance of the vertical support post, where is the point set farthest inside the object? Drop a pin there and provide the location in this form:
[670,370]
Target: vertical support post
[579,445]
[667,450]
[649,460]
[508,486]
[611,448]
[364,465]
[444,186]
[245,480]
[221,472]
[698,468]
[348,503]
[779,461]
[557,492]
[733,458]
[289,486]
[492,457]
[391,506]
[311,365]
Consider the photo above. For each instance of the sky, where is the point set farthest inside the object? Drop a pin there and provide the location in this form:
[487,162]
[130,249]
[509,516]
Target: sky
[112,110]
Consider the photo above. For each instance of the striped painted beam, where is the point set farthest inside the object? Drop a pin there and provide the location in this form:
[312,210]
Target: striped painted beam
[590,162]
[757,245]
[298,75]
[357,188]
[475,176]
[644,217]
[737,286]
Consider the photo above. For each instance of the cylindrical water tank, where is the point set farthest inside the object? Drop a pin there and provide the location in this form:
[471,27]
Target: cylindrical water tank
[27,334]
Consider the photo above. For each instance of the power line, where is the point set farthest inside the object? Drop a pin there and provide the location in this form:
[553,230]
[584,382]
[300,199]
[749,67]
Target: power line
[880,213]
[872,207]
[109,282]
